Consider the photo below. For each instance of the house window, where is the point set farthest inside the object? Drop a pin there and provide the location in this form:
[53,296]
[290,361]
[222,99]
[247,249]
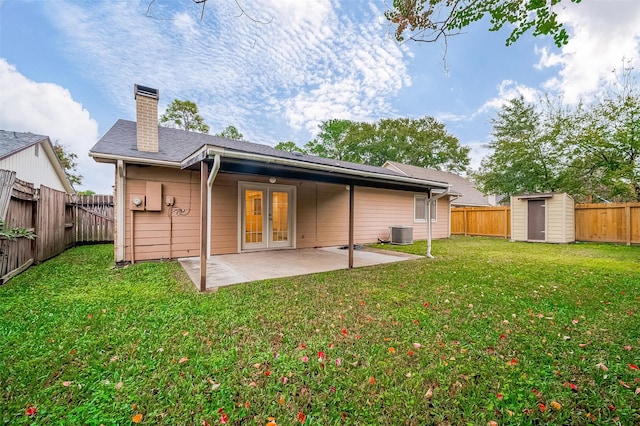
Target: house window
[37,149]
[420,204]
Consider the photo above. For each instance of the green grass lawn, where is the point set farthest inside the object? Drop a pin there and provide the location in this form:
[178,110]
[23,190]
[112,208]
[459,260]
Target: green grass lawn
[490,330]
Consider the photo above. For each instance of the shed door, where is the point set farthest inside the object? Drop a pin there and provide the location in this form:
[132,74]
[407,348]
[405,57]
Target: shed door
[535,221]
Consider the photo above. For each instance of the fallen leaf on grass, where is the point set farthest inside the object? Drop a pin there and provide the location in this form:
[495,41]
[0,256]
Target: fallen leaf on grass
[271,422]
[344,331]
[417,345]
[633,366]
[372,380]
[572,386]
[302,417]
[66,384]
[500,396]
[602,366]
[492,423]
[30,411]
[119,385]
[556,405]
[183,360]
[542,407]
[392,350]
[514,361]
[624,384]
[429,393]
[137,418]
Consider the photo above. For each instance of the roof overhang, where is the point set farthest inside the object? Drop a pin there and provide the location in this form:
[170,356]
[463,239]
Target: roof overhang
[258,164]
[113,159]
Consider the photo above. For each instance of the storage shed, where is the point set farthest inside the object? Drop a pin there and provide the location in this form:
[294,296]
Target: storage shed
[543,217]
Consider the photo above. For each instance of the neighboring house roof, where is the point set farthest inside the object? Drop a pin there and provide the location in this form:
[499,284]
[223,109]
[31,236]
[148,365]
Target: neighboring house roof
[12,143]
[180,148]
[468,194]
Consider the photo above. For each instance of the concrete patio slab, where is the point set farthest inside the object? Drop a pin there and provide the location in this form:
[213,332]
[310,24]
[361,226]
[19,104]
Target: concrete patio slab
[228,269]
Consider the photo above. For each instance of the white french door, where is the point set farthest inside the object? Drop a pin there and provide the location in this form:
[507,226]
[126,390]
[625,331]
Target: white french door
[266,215]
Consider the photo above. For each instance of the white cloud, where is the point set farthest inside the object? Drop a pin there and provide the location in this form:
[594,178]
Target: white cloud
[307,64]
[602,34]
[507,90]
[49,109]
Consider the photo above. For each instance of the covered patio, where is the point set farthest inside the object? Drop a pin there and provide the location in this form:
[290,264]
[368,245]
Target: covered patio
[228,269]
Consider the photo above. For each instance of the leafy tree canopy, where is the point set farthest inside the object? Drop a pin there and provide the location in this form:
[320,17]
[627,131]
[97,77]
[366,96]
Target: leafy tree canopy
[290,146]
[421,142]
[230,132]
[184,115]
[68,163]
[590,151]
[429,20]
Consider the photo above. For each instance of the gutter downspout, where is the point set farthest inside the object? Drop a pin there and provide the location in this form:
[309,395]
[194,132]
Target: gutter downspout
[210,179]
[121,173]
[429,202]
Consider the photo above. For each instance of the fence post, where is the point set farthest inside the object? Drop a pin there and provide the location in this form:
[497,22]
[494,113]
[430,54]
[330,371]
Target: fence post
[627,213]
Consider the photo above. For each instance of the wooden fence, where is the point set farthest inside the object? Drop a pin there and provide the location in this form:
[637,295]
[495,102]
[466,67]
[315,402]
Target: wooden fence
[93,218]
[59,221]
[615,223]
[481,221]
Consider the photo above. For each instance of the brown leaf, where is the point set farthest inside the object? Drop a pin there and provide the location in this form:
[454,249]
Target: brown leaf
[183,360]
[137,418]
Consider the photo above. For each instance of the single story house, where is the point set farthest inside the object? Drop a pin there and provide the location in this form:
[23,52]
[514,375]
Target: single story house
[34,160]
[184,194]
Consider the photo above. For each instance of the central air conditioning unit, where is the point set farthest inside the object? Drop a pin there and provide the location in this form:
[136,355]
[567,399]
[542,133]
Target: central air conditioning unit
[402,235]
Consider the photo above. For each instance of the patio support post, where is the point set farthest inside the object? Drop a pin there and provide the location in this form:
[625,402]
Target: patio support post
[204,175]
[351,214]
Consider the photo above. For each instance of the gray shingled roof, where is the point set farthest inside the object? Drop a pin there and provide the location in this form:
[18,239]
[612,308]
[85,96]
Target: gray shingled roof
[459,185]
[175,145]
[13,142]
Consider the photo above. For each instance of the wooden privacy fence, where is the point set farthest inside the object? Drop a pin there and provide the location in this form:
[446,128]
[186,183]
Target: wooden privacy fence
[481,221]
[59,221]
[93,218]
[607,223]
[615,223]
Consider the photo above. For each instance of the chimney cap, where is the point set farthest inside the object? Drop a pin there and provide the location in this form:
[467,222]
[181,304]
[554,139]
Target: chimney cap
[146,91]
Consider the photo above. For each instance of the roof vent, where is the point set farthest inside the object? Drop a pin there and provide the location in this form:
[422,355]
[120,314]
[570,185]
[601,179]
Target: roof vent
[146,91]
[298,153]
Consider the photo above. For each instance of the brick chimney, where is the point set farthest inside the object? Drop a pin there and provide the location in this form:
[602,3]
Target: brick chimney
[146,118]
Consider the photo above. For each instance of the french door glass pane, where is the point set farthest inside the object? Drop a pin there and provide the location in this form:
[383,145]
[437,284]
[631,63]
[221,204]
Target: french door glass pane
[280,217]
[253,216]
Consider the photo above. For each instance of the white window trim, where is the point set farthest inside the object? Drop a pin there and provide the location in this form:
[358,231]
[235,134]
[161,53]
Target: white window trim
[417,198]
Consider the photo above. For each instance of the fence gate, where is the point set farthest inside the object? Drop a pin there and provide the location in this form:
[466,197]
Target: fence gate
[93,217]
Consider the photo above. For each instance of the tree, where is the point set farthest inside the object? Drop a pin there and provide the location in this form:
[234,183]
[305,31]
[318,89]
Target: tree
[290,146]
[607,147]
[330,142]
[591,151]
[421,142]
[527,155]
[184,115]
[429,20]
[230,132]
[67,161]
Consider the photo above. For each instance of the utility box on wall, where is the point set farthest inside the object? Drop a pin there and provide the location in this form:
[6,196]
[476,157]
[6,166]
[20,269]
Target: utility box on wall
[154,197]
[543,217]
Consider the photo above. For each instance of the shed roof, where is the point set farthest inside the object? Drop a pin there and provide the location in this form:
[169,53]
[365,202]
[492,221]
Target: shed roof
[469,195]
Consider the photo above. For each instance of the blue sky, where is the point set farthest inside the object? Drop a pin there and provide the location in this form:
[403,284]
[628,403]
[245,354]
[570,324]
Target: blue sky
[67,68]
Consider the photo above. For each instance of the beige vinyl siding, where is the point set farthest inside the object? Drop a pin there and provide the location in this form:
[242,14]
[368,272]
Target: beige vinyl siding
[518,219]
[35,169]
[560,219]
[153,239]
